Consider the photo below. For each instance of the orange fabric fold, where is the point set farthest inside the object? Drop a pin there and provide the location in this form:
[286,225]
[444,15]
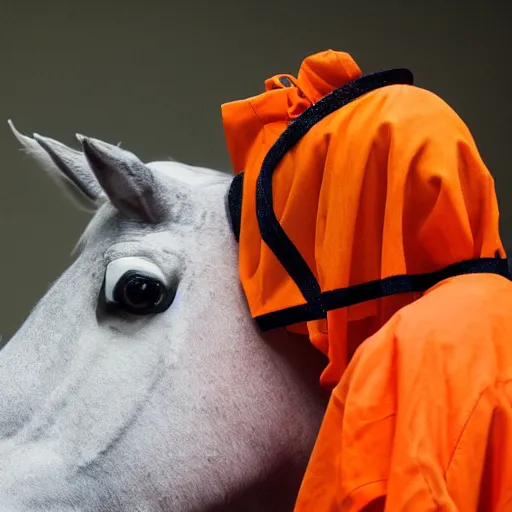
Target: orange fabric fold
[390,184]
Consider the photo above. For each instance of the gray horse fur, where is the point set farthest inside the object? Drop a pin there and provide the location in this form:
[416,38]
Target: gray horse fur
[188,410]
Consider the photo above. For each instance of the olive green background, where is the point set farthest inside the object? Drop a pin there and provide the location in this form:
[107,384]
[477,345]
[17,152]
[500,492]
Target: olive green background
[154,74]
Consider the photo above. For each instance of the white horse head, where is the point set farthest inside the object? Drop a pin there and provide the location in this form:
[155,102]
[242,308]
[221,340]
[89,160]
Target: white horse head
[139,382]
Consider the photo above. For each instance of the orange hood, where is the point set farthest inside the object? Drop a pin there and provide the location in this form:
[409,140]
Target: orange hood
[385,194]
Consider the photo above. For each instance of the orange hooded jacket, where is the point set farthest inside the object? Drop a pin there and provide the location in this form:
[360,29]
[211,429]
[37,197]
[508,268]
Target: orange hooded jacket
[367,219]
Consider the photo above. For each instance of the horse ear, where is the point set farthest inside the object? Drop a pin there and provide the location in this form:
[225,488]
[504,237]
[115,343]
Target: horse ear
[68,167]
[129,184]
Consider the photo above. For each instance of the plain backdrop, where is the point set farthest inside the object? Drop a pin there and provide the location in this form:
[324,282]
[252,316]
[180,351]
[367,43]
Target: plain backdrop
[154,74]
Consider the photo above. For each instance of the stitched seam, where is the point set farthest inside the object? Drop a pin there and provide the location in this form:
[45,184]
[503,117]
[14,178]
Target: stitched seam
[463,429]
[255,112]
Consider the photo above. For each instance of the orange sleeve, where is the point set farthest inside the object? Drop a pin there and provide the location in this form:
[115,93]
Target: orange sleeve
[422,417]
[349,464]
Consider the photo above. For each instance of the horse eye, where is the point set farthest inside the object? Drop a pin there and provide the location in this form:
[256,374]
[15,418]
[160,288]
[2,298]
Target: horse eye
[139,292]
[137,286]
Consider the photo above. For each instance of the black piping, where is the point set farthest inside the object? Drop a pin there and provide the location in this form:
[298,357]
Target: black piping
[271,231]
[318,302]
[356,294]
[235,194]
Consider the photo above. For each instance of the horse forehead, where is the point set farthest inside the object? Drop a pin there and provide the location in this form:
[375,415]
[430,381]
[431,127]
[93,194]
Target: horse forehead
[193,180]
[187,174]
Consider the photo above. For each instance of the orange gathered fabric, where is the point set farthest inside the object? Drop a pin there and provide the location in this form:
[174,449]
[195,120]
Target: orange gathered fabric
[420,413]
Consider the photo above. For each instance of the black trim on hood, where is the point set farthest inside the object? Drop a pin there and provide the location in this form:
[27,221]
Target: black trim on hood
[235,195]
[344,297]
[271,231]
[318,302]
